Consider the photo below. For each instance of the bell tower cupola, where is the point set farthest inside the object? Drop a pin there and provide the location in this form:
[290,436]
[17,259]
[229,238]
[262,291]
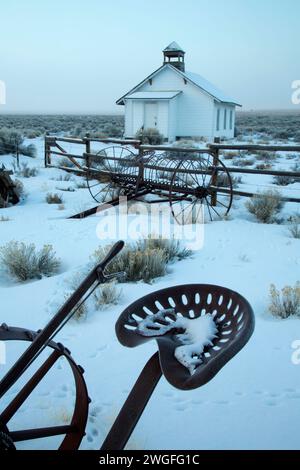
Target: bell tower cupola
[174,55]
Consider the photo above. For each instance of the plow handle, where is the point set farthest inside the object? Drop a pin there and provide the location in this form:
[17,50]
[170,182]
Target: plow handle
[115,249]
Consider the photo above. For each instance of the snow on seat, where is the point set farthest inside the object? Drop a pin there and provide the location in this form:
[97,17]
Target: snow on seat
[198,329]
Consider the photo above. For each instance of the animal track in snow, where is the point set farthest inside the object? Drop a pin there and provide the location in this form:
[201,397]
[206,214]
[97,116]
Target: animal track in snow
[98,351]
[270,403]
[197,401]
[182,407]
[221,402]
[293,395]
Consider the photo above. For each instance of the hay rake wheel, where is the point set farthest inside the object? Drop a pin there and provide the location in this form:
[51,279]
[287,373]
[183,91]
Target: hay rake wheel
[112,172]
[194,180]
[72,432]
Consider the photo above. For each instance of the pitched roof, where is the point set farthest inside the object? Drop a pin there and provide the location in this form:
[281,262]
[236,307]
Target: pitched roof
[153,95]
[173,46]
[209,87]
[194,78]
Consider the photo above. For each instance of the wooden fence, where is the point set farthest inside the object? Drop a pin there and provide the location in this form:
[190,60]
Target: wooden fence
[53,147]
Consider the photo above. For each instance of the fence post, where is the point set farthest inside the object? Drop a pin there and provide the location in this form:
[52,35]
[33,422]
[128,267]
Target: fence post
[47,155]
[18,153]
[87,145]
[141,165]
[214,178]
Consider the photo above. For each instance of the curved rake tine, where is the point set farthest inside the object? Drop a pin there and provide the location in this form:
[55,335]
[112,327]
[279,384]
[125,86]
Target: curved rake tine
[134,406]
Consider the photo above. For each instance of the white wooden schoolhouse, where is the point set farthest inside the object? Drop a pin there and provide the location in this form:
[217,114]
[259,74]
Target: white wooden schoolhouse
[179,104]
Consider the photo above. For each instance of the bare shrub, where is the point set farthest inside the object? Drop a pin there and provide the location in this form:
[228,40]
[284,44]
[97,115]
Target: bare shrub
[265,155]
[24,262]
[283,180]
[25,171]
[28,150]
[65,177]
[223,181]
[265,206]
[263,166]
[294,226]
[230,155]
[150,136]
[138,264]
[172,248]
[81,185]
[19,188]
[144,260]
[286,302]
[107,294]
[68,189]
[242,162]
[54,198]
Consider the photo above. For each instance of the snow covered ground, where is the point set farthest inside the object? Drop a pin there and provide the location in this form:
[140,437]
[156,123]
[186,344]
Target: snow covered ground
[252,403]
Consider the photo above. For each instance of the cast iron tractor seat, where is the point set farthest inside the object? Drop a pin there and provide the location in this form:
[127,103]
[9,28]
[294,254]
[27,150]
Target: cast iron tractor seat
[232,315]
[159,313]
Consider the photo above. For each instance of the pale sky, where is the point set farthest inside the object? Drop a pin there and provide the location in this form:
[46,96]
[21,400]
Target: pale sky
[72,56]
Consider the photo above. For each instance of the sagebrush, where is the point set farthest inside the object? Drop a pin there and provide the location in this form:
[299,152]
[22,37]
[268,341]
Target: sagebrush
[23,261]
[144,260]
[265,206]
[150,136]
[106,295]
[286,302]
[54,198]
[294,226]
[24,170]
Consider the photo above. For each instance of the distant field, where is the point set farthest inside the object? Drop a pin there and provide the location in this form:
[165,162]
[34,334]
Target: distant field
[279,125]
[275,124]
[76,125]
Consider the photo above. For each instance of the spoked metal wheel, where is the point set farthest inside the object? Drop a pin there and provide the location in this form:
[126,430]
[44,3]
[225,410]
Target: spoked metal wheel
[73,432]
[112,172]
[200,190]
[158,170]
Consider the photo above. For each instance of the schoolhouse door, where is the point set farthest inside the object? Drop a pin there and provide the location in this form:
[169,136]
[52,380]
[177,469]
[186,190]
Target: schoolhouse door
[150,116]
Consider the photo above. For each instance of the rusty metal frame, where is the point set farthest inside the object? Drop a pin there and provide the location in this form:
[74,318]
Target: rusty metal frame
[233,310]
